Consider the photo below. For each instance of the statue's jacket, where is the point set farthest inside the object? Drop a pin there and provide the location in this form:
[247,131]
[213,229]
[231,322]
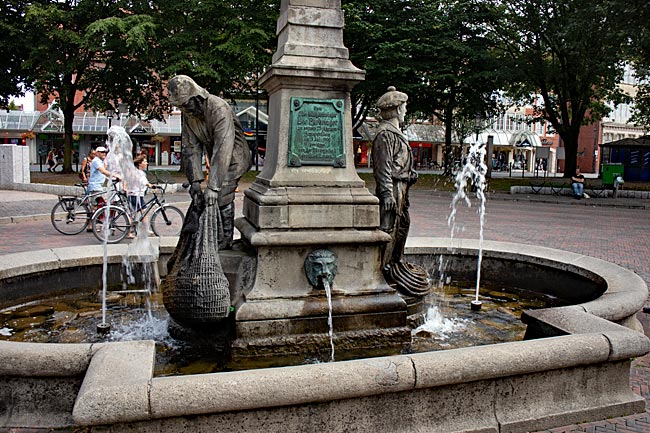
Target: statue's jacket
[220,135]
[392,159]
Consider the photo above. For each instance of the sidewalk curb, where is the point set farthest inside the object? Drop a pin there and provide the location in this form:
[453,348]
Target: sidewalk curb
[24,218]
[572,202]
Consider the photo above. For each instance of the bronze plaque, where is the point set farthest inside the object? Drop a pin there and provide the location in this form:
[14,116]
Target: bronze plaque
[316,132]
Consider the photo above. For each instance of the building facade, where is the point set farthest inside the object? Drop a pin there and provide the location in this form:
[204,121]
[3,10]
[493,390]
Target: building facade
[42,131]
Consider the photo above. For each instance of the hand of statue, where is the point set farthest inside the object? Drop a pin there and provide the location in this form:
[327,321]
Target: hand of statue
[389,203]
[195,191]
[413,177]
[210,197]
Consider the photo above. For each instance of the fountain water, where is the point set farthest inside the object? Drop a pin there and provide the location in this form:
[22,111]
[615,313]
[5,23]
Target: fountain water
[119,162]
[472,175]
[328,292]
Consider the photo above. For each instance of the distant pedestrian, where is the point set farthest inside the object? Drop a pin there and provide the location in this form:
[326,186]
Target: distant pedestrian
[84,174]
[50,160]
[59,159]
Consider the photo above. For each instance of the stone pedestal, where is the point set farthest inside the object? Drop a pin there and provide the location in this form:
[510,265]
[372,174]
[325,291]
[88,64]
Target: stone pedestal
[14,164]
[309,196]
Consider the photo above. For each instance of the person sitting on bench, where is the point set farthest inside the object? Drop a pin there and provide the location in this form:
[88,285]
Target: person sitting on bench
[578,184]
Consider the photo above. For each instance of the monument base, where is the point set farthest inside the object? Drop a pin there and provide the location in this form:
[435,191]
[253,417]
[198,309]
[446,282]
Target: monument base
[297,348]
[284,315]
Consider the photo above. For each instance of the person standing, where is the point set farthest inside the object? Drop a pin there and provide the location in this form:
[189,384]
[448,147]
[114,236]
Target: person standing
[136,186]
[59,159]
[210,127]
[50,160]
[98,172]
[84,174]
[578,184]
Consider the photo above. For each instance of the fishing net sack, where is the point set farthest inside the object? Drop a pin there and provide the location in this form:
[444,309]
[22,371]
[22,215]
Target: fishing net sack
[197,290]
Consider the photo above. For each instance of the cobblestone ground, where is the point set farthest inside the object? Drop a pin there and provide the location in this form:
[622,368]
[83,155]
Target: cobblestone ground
[619,235]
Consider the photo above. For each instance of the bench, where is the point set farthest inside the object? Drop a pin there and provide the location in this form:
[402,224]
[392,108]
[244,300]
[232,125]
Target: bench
[558,189]
[536,187]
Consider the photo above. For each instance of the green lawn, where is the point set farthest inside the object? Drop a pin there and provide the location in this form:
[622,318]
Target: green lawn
[425,181]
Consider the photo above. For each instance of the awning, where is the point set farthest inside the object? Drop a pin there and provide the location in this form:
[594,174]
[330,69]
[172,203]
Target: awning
[643,141]
[504,138]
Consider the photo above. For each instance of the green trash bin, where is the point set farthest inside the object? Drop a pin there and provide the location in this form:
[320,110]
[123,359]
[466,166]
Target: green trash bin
[611,172]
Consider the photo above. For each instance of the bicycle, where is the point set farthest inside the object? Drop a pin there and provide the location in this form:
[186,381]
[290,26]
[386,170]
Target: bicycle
[166,219]
[72,214]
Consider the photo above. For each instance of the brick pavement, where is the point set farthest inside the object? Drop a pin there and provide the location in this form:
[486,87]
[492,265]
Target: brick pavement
[616,231]
[619,235]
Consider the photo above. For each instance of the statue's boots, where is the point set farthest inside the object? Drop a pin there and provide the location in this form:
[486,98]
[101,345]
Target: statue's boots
[228,222]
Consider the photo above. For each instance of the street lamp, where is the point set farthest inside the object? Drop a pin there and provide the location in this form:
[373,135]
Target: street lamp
[109,115]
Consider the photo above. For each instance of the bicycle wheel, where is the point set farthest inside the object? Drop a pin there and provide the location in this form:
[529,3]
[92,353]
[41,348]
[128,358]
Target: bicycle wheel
[70,216]
[167,220]
[118,225]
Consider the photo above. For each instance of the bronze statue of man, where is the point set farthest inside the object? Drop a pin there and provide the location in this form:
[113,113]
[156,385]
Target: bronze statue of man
[210,127]
[394,174]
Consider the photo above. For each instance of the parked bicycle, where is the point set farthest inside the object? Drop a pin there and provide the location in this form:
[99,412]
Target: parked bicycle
[72,214]
[166,219]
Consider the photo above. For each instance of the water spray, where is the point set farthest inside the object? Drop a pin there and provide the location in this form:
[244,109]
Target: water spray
[472,174]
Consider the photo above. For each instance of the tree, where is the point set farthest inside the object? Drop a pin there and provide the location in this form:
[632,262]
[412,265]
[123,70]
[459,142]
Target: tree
[435,51]
[376,33]
[11,50]
[637,15]
[91,54]
[460,70]
[568,56]
[222,45]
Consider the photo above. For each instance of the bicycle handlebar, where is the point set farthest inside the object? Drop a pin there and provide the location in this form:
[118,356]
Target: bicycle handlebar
[159,188]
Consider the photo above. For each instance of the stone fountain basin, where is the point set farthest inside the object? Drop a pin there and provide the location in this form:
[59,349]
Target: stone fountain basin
[573,366]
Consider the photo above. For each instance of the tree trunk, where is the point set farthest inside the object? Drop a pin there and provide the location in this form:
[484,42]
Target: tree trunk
[570,141]
[68,118]
[448,152]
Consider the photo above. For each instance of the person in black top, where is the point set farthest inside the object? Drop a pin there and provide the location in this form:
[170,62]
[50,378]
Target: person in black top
[578,184]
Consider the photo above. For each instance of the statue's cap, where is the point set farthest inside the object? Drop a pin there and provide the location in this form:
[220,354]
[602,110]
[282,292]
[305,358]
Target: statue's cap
[181,88]
[391,99]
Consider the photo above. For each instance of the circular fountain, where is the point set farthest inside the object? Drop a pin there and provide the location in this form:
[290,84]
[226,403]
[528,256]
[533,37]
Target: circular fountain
[308,202]
[105,384]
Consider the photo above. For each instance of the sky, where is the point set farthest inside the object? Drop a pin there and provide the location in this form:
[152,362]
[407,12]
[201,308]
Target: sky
[26,101]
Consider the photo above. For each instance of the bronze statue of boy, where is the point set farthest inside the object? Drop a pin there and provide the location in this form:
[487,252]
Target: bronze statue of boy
[394,174]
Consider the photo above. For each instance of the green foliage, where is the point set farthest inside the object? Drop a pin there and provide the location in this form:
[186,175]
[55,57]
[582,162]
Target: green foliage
[92,54]
[11,50]
[569,55]
[637,15]
[223,45]
[435,51]
[641,114]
